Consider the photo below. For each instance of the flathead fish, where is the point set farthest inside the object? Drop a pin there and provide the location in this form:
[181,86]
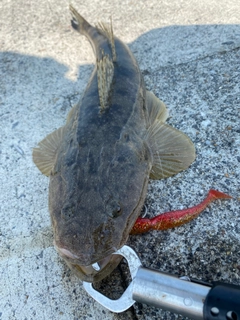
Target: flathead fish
[100,161]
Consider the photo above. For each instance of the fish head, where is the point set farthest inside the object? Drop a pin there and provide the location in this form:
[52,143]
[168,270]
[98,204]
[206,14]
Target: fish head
[92,217]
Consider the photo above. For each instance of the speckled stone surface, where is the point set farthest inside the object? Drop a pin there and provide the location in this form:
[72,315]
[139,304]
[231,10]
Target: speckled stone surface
[189,53]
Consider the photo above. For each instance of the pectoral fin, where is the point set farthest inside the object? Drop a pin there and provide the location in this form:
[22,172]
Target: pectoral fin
[157,110]
[172,150]
[44,155]
[71,114]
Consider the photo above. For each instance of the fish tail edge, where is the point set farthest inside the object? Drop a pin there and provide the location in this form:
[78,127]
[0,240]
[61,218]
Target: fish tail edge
[78,22]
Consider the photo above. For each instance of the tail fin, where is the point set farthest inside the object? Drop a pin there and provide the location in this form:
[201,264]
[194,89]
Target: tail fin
[78,22]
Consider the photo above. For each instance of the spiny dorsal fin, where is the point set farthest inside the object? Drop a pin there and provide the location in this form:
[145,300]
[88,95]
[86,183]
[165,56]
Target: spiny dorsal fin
[44,155]
[105,70]
[157,110]
[108,31]
[172,150]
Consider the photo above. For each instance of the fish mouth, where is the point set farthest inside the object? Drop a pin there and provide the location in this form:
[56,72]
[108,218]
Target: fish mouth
[93,272]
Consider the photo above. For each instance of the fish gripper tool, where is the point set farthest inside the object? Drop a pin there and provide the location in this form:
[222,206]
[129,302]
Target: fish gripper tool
[191,298]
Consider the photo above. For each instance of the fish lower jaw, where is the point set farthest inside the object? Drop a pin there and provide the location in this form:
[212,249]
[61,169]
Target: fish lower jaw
[95,271]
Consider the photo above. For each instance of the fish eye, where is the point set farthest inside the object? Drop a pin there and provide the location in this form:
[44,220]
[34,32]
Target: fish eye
[113,208]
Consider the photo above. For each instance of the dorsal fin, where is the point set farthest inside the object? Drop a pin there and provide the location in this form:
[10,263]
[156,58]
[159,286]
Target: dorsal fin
[108,31]
[105,70]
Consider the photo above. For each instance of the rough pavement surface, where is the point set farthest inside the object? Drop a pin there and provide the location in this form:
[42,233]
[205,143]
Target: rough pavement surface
[189,53]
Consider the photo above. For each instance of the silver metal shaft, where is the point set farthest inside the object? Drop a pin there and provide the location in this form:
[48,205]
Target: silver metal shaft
[170,293]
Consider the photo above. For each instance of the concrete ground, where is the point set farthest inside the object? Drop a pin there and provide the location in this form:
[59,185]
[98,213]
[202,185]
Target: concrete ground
[189,53]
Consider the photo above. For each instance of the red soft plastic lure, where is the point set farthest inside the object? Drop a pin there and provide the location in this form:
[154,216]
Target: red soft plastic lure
[176,218]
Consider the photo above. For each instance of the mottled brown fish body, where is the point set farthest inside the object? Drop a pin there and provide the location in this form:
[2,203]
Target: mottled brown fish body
[103,163]
[103,160]
[103,157]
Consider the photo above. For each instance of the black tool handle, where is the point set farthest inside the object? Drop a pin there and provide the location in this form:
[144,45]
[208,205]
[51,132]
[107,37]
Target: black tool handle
[222,302]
